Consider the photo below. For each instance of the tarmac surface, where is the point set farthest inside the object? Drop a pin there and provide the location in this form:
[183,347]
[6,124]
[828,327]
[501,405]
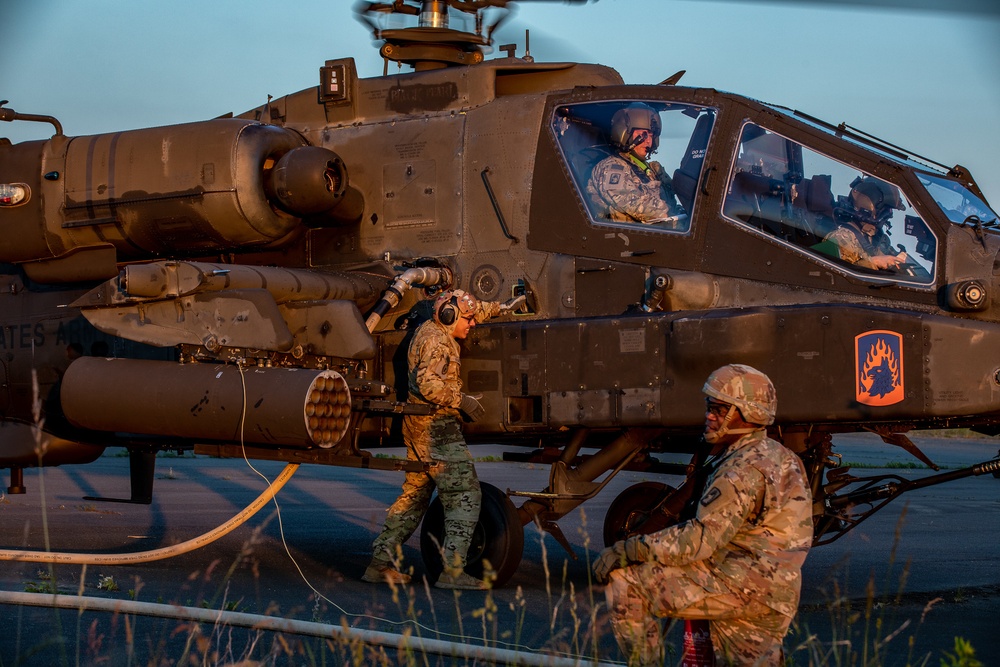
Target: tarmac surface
[911,578]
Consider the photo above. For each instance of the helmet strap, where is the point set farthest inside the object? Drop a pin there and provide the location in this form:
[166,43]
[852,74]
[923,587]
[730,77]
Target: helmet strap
[718,434]
[723,430]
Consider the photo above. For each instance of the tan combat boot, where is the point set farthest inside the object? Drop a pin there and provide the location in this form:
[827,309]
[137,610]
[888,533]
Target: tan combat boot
[457,579]
[380,571]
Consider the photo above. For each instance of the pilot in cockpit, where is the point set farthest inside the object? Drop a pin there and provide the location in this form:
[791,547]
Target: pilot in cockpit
[864,217]
[627,186]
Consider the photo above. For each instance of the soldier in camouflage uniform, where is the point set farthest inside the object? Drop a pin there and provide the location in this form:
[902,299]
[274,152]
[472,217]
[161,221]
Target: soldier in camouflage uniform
[738,563]
[626,186]
[860,237]
[851,242]
[433,360]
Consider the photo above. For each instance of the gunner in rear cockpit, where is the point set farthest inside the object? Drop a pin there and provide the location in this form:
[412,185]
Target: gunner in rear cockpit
[627,186]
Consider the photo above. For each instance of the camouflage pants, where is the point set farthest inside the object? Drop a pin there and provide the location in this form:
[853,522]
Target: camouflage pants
[435,438]
[744,631]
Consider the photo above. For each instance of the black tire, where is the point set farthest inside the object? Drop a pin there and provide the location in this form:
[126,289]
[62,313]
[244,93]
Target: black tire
[498,537]
[630,508]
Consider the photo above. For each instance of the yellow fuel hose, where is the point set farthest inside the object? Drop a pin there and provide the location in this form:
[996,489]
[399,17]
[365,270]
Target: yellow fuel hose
[165,552]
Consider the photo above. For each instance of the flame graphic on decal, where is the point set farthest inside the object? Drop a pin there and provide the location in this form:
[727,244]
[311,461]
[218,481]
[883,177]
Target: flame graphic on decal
[881,370]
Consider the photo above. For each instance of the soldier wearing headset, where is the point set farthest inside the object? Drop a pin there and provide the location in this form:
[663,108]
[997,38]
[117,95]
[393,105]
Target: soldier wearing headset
[433,362]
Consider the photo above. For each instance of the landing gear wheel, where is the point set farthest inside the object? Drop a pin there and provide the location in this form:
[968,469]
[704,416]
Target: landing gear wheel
[631,508]
[498,537]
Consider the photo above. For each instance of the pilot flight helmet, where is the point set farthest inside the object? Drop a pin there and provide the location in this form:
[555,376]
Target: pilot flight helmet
[453,304]
[874,199]
[635,116]
[747,388]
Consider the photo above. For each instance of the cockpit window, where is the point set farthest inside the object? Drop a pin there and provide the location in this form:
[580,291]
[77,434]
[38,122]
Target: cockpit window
[609,148]
[959,204]
[834,212]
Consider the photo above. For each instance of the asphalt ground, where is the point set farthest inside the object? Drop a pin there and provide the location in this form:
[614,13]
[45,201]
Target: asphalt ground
[911,578]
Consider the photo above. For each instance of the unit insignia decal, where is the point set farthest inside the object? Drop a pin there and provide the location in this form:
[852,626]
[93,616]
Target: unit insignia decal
[878,368]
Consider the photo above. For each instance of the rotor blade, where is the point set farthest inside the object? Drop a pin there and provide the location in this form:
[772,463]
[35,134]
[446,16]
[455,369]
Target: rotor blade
[985,7]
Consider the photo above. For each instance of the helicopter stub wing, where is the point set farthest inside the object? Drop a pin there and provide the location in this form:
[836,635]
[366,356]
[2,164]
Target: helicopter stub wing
[294,311]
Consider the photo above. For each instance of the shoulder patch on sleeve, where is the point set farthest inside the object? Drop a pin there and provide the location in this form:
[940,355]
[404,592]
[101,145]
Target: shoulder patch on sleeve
[710,496]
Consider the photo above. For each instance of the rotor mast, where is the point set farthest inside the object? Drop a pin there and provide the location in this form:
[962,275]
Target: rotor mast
[432,44]
[434,14]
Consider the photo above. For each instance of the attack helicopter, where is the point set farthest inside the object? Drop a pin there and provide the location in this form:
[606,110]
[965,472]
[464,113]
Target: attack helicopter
[247,285]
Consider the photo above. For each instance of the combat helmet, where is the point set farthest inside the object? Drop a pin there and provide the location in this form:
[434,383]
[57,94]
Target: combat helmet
[635,116]
[746,388]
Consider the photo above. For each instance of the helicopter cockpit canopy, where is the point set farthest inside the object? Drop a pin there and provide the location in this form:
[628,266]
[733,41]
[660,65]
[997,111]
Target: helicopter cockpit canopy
[830,210]
[602,165]
[960,204]
[957,202]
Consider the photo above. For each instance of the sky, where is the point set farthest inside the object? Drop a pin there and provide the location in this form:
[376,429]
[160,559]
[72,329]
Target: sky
[927,80]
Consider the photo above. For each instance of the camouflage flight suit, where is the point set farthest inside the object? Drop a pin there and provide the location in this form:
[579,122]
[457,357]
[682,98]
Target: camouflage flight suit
[851,248]
[433,359]
[625,189]
[737,563]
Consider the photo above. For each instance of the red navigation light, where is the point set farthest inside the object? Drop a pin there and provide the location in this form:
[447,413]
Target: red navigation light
[13,194]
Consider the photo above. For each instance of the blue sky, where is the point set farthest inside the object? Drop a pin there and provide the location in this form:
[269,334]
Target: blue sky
[926,80]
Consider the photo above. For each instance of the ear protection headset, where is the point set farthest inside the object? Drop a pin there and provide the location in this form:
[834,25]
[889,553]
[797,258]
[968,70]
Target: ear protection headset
[452,305]
[447,312]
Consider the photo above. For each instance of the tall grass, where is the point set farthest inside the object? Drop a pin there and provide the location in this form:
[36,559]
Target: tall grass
[871,631]
[860,632]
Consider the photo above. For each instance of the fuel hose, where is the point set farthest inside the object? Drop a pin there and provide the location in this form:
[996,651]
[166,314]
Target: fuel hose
[164,552]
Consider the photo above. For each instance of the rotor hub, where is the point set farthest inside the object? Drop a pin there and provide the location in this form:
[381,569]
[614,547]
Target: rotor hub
[432,43]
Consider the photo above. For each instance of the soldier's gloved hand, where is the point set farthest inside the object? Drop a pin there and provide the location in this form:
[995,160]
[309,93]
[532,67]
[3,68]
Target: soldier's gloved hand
[471,408]
[636,549]
[610,559]
[620,554]
[512,304]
